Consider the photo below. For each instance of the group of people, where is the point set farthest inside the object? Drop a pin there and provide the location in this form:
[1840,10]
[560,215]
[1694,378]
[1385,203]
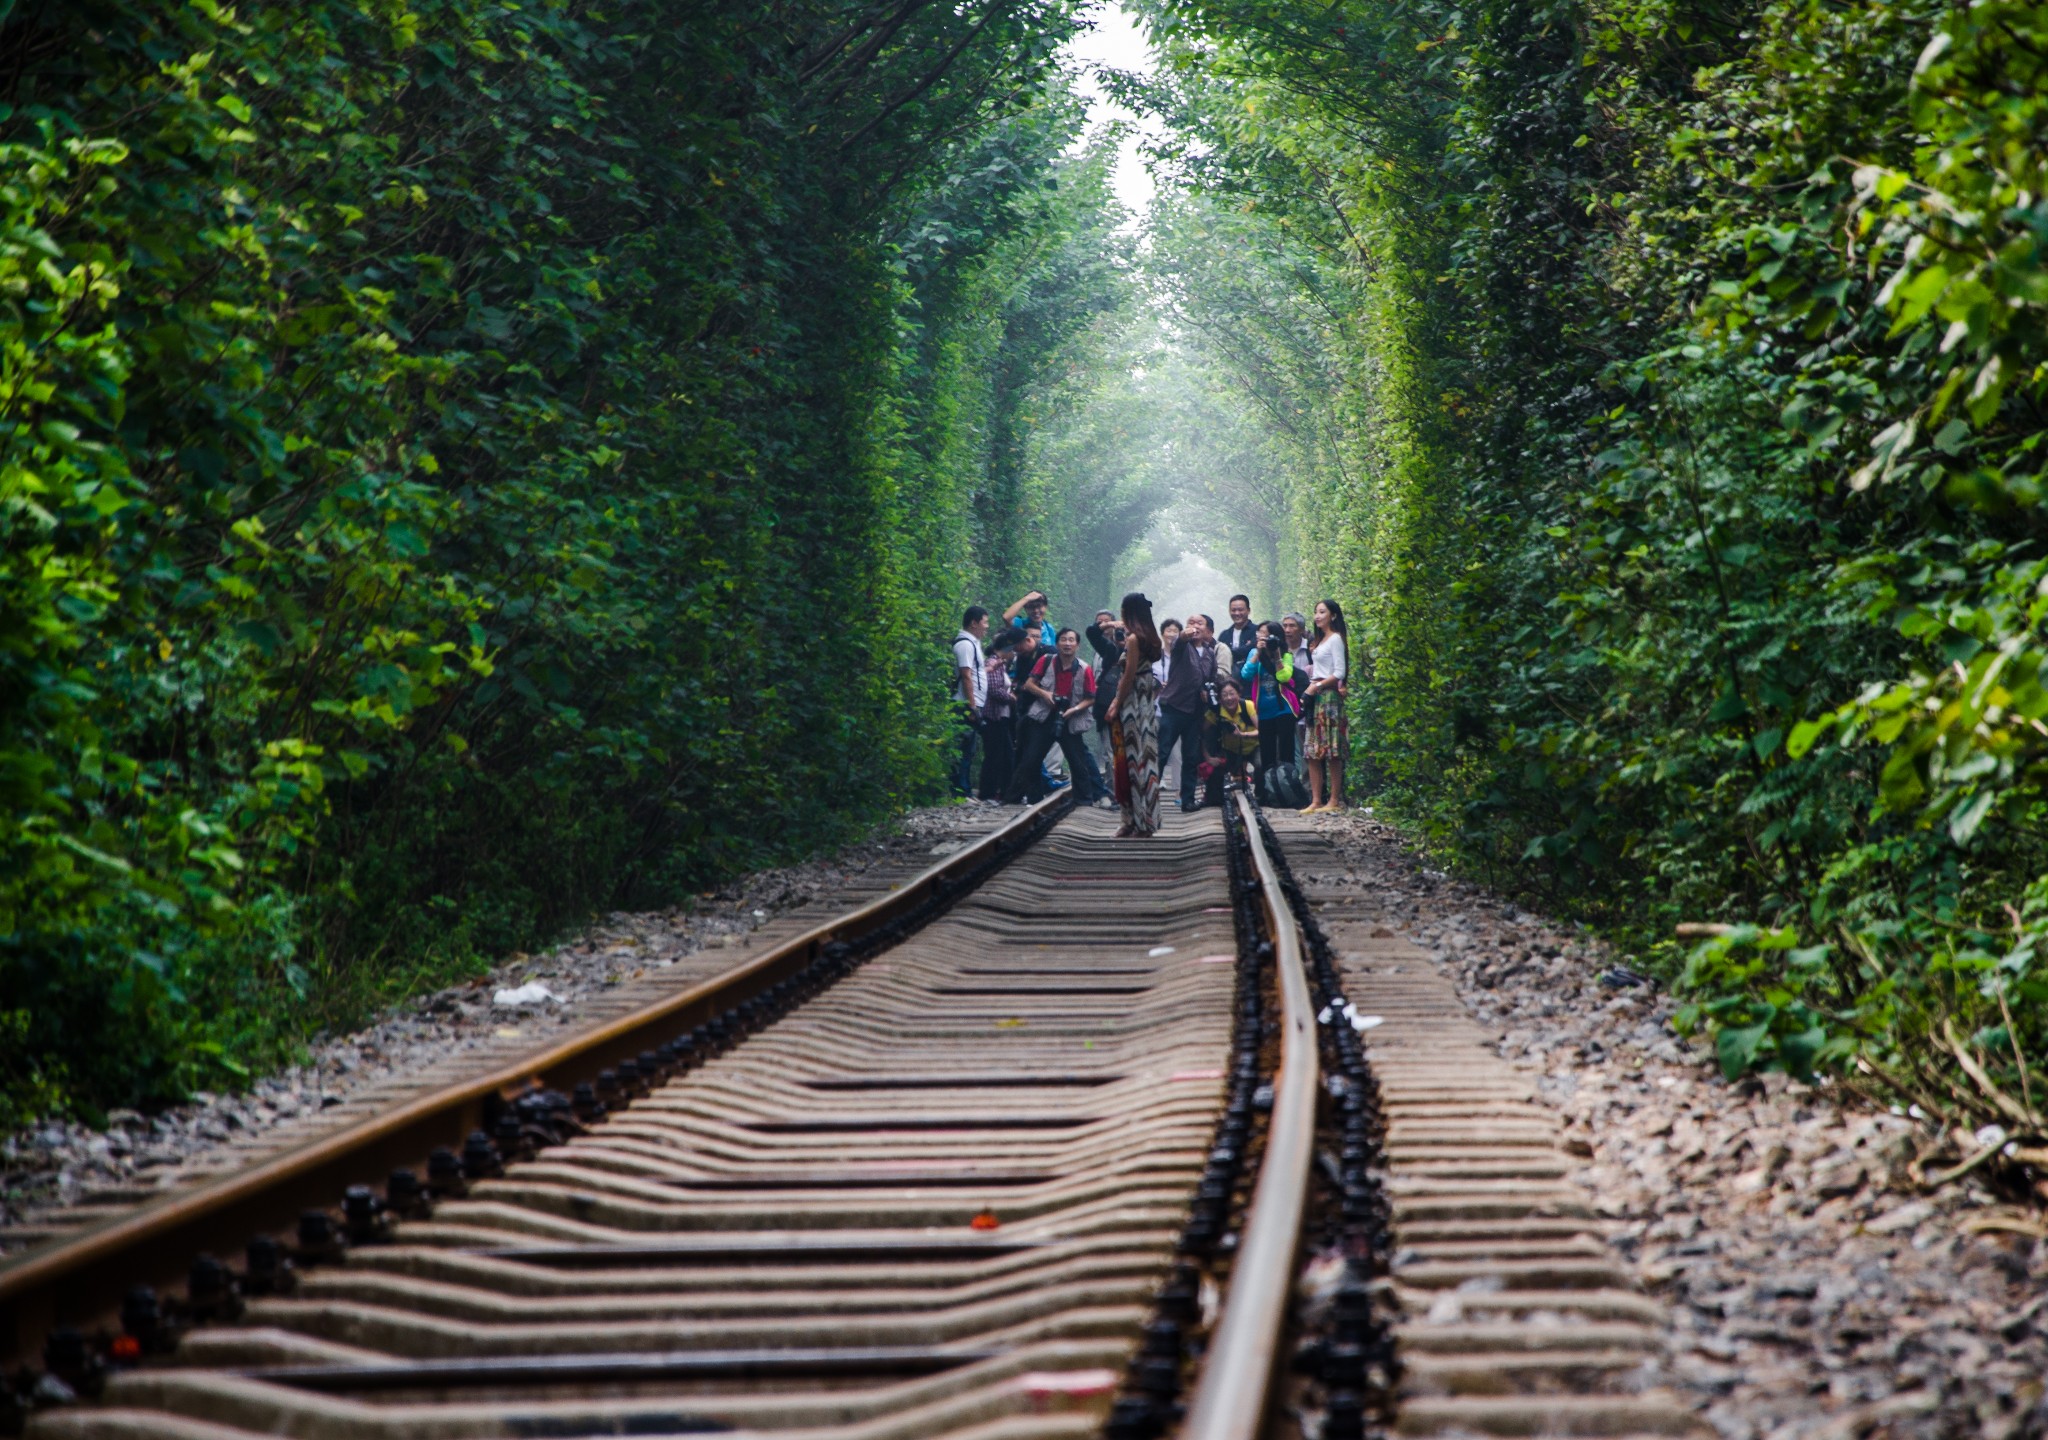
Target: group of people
[1256,702]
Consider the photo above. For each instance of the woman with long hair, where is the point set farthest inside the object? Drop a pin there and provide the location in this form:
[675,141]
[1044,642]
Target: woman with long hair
[1323,749]
[1134,721]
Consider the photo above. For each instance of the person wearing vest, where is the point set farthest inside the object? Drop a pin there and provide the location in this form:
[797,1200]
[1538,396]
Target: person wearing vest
[1059,700]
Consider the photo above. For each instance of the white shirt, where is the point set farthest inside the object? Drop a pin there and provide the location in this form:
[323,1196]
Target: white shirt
[969,656]
[1160,666]
[1327,659]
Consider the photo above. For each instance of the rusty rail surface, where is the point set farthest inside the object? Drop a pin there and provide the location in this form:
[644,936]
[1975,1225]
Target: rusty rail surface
[82,1278]
[946,1195]
[977,1178]
[1244,1349]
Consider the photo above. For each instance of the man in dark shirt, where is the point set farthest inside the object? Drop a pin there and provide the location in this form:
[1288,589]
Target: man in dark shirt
[1184,703]
[1242,637]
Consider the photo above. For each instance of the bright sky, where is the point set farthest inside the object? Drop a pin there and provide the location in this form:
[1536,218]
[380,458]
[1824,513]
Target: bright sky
[1118,43]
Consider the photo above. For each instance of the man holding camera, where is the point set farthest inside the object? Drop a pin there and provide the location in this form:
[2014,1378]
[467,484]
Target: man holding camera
[1028,613]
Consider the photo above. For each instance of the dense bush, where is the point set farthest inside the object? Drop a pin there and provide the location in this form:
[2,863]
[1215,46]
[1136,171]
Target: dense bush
[1676,401]
[469,463]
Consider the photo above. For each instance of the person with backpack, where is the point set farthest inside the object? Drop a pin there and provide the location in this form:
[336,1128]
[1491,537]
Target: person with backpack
[970,691]
[1059,699]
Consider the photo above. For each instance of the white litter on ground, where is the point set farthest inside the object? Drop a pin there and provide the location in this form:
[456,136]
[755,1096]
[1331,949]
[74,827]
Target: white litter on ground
[1341,1006]
[531,993]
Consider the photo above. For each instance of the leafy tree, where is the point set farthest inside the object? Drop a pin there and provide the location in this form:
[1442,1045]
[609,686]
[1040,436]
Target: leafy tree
[467,465]
[1675,406]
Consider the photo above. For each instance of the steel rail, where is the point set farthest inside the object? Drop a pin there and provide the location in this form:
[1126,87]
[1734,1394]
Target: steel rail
[1237,1372]
[82,1278]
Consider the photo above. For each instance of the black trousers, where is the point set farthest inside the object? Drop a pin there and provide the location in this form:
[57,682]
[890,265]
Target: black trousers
[998,753]
[970,731]
[1276,741]
[1027,780]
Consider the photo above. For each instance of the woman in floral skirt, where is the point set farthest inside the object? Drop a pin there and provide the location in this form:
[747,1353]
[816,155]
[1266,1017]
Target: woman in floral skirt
[1134,721]
[1330,664]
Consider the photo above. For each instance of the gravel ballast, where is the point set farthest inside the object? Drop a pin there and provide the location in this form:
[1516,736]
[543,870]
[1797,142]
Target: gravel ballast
[1817,1292]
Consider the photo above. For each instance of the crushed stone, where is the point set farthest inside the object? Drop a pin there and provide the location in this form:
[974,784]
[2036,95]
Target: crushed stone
[1816,1292]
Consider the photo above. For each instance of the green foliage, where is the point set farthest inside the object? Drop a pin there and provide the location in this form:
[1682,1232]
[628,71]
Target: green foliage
[1760,989]
[469,464]
[1677,377]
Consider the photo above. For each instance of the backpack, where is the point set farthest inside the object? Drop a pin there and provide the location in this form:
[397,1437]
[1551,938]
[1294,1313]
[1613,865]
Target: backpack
[1280,786]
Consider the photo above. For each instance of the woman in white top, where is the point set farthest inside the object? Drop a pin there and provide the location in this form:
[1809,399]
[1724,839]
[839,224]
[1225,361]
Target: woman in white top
[1323,748]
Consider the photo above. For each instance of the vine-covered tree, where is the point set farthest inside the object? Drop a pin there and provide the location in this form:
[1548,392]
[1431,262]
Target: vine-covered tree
[469,464]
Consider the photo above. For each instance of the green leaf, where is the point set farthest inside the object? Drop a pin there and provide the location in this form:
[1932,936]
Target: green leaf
[1799,1050]
[1966,818]
[1737,1048]
[1805,734]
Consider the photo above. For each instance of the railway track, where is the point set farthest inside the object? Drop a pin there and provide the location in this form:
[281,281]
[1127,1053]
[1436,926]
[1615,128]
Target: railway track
[1035,1146]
